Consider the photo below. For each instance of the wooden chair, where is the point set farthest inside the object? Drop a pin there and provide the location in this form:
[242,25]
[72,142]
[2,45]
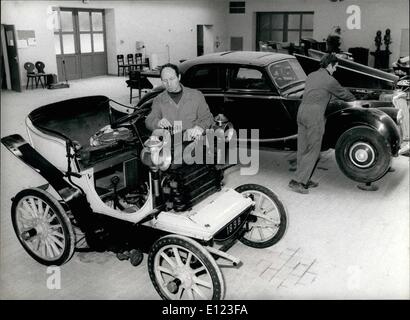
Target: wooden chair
[121,65]
[40,66]
[130,62]
[41,73]
[138,58]
[136,81]
[32,76]
[139,62]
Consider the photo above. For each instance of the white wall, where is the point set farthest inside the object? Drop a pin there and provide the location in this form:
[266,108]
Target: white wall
[30,15]
[156,23]
[375,15]
[173,23]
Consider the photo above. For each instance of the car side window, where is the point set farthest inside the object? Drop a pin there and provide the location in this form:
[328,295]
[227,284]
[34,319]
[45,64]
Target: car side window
[248,78]
[204,77]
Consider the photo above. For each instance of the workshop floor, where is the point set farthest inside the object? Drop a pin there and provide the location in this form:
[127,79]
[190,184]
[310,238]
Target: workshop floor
[341,242]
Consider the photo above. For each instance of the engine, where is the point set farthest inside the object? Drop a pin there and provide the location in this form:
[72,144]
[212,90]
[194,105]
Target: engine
[176,185]
[184,185]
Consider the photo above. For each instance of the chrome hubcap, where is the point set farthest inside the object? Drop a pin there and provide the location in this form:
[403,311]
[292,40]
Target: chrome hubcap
[362,155]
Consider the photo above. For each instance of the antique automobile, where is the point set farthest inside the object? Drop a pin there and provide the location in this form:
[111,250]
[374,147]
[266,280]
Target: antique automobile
[263,90]
[111,186]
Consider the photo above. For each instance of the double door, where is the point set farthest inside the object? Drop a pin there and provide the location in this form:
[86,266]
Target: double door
[80,43]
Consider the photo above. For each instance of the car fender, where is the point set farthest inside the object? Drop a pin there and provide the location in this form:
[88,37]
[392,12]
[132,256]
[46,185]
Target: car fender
[339,122]
[73,197]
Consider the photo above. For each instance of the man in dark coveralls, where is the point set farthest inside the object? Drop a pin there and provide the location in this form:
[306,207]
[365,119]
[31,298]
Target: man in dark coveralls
[320,87]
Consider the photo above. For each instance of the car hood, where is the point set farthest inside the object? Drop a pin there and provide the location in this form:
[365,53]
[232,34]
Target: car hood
[349,73]
[338,105]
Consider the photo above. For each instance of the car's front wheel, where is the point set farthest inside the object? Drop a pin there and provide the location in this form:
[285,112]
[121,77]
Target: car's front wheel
[181,269]
[362,154]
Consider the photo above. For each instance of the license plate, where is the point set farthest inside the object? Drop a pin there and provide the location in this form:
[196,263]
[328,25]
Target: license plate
[232,227]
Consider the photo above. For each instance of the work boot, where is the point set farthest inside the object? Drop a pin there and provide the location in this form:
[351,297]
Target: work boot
[311,184]
[298,187]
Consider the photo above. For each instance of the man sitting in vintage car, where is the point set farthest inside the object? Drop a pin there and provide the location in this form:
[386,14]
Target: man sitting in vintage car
[179,106]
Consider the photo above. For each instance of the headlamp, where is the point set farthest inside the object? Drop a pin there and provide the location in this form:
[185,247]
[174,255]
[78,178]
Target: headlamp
[156,155]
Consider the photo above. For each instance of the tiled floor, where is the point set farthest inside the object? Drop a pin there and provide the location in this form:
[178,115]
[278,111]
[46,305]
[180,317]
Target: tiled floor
[341,242]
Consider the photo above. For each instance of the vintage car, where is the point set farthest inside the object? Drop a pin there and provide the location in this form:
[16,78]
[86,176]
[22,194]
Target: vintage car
[112,186]
[263,90]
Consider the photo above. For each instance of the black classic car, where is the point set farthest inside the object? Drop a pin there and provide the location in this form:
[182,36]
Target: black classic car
[263,90]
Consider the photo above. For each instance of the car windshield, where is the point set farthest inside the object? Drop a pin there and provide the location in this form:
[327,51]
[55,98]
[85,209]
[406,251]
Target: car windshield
[286,73]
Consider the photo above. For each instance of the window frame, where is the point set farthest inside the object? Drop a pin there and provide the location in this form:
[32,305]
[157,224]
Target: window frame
[189,76]
[237,7]
[230,71]
[76,31]
[285,28]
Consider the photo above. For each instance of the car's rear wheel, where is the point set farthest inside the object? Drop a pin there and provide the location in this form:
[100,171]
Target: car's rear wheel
[42,226]
[362,154]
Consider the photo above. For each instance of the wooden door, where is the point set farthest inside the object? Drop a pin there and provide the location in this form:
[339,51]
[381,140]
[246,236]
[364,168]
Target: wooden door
[80,43]
[13,60]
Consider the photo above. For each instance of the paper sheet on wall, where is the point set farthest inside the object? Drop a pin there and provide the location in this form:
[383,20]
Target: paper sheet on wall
[32,41]
[22,44]
[28,36]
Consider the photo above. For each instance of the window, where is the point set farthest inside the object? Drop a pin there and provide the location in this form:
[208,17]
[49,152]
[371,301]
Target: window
[284,26]
[66,21]
[236,6]
[64,33]
[205,77]
[287,72]
[78,31]
[91,31]
[247,78]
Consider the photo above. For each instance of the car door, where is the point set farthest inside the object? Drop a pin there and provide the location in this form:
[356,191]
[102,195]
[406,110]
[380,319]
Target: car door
[251,101]
[210,80]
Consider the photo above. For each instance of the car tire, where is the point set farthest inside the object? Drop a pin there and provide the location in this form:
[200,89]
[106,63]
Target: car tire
[42,227]
[362,154]
[274,221]
[176,278]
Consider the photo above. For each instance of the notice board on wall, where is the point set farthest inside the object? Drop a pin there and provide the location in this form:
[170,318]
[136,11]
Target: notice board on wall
[26,38]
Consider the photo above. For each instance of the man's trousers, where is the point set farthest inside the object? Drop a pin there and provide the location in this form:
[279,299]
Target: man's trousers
[309,145]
